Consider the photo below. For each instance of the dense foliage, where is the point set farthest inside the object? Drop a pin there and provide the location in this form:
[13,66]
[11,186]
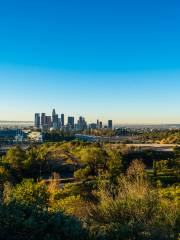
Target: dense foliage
[80,190]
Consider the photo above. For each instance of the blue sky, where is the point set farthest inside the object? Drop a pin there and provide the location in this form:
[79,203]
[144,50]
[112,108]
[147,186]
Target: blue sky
[101,59]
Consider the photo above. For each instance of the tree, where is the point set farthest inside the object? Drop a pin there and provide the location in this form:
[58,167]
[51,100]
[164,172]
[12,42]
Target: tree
[155,168]
[30,223]
[15,157]
[137,211]
[82,174]
[93,157]
[114,164]
[28,193]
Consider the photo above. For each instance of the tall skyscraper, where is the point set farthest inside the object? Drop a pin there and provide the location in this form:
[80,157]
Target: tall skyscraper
[110,124]
[98,124]
[71,122]
[81,124]
[43,119]
[48,122]
[55,120]
[37,120]
[53,112]
[62,120]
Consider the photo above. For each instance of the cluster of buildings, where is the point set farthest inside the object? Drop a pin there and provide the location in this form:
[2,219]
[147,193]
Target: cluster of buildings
[55,121]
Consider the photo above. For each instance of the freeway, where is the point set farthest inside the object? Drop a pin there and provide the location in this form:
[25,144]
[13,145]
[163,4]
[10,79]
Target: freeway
[122,139]
[155,146]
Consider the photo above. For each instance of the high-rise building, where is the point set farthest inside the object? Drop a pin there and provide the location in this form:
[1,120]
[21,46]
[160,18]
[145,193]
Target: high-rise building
[71,122]
[55,119]
[81,124]
[110,124]
[100,125]
[53,112]
[48,122]
[62,120]
[43,119]
[37,120]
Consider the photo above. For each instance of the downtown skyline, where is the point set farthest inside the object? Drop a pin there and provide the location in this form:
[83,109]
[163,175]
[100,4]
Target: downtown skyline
[60,121]
[102,60]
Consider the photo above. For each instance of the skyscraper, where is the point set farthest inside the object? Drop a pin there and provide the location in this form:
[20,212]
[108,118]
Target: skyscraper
[55,120]
[48,122]
[98,124]
[62,120]
[110,124]
[43,119]
[81,125]
[37,120]
[71,122]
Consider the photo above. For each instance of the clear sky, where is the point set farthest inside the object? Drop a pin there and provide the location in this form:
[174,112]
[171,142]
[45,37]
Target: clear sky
[117,59]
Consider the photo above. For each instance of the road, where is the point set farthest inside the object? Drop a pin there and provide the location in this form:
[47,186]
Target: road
[155,146]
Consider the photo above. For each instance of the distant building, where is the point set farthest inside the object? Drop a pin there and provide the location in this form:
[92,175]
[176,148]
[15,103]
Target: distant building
[35,136]
[62,120]
[93,126]
[81,124]
[37,120]
[43,120]
[55,119]
[100,125]
[48,122]
[110,124]
[71,122]
[13,134]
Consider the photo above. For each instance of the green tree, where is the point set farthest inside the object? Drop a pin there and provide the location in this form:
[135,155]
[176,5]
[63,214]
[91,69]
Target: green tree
[136,212]
[15,157]
[114,164]
[28,193]
[82,174]
[19,222]
[155,168]
[93,157]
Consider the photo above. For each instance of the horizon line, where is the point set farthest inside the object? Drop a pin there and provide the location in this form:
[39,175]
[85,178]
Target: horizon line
[128,124]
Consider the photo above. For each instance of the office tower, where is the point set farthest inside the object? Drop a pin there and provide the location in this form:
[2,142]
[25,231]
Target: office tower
[48,123]
[53,115]
[43,119]
[62,120]
[55,120]
[53,112]
[37,120]
[110,124]
[71,122]
[59,122]
[100,125]
[81,125]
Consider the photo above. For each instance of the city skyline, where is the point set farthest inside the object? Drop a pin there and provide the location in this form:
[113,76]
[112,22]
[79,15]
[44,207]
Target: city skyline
[103,59]
[60,121]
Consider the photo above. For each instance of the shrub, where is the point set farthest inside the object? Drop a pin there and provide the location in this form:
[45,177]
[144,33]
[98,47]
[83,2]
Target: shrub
[136,212]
